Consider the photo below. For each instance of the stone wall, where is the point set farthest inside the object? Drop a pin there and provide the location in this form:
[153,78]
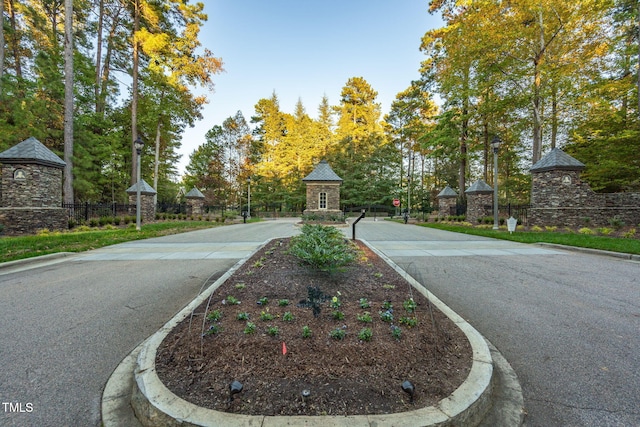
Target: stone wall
[478,206]
[147,207]
[446,206]
[18,221]
[194,206]
[561,198]
[40,187]
[313,197]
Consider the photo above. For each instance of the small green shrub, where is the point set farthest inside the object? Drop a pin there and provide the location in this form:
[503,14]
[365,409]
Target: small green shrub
[214,316]
[213,330]
[365,317]
[409,321]
[288,317]
[337,334]
[231,300]
[250,328]
[337,315]
[396,332]
[629,234]
[265,316]
[364,303]
[365,334]
[283,302]
[306,332]
[273,331]
[386,316]
[410,305]
[322,247]
[243,316]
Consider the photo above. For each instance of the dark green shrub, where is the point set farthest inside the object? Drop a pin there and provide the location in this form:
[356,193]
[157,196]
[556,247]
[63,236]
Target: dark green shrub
[322,247]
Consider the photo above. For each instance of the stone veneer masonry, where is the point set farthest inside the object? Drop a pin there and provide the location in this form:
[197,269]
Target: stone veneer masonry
[561,198]
[332,188]
[147,207]
[32,203]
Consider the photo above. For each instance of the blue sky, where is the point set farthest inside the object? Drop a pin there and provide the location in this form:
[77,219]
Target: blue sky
[305,50]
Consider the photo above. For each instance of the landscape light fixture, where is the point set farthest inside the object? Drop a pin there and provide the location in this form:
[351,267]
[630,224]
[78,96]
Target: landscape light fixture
[495,144]
[138,144]
[408,388]
[234,388]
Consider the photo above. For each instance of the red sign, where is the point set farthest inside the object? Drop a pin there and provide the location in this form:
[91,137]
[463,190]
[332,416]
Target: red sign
[396,202]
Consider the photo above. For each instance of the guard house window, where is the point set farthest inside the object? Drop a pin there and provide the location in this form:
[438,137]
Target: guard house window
[323,201]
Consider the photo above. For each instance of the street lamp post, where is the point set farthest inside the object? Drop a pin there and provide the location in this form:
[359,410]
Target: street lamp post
[249,197]
[495,144]
[138,143]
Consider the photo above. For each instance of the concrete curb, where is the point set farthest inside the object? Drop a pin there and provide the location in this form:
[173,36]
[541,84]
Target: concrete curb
[601,252]
[157,406]
[35,260]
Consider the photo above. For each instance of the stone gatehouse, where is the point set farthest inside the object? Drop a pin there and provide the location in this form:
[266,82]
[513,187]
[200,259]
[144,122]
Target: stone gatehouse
[323,190]
[31,189]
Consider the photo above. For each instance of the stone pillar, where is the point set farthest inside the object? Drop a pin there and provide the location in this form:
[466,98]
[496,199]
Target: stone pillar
[479,201]
[447,202]
[31,189]
[147,202]
[195,202]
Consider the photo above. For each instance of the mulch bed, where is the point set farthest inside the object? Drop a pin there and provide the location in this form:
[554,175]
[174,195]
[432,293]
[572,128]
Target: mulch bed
[316,375]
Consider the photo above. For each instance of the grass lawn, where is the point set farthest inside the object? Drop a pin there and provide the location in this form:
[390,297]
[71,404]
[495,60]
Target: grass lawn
[614,244]
[14,248]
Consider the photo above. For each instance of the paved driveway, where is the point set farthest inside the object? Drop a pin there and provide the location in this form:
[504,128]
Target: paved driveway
[568,323]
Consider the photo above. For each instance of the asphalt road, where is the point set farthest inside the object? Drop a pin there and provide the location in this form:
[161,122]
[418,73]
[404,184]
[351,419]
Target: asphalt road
[568,323]
[64,327]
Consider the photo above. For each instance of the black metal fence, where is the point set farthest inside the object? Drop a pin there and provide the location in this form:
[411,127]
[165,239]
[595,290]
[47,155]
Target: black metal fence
[86,211]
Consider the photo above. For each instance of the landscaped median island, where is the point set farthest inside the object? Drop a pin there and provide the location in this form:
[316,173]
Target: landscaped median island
[303,341]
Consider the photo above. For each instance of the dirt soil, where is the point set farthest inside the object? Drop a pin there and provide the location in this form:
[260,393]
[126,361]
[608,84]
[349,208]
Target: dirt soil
[284,373]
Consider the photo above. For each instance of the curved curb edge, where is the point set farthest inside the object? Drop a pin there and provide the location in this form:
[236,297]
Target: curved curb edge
[155,405]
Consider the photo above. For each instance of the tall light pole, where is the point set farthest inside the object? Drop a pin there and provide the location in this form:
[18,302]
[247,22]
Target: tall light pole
[249,197]
[495,144]
[138,143]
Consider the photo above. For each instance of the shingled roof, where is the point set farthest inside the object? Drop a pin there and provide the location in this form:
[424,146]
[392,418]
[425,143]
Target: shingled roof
[144,188]
[557,159]
[479,187]
[31,151]
[322,172]
[447,192]
[194,194]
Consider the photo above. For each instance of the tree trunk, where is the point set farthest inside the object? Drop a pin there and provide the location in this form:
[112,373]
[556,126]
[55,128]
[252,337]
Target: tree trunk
[99,108]
[68,102]
[1,43]
[134,92]
[15,43]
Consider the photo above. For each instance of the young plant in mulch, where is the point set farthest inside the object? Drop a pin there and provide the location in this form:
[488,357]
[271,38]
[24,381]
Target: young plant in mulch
[338,334]
[288,317]
[365,334]
[396,332]
[365,317]
[306,332]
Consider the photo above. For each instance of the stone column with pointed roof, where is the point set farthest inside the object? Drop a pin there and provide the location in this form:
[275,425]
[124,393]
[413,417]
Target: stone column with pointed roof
[447,202]
[195,202]
[323,190]
[147,202]
[31,189]
[479,201]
